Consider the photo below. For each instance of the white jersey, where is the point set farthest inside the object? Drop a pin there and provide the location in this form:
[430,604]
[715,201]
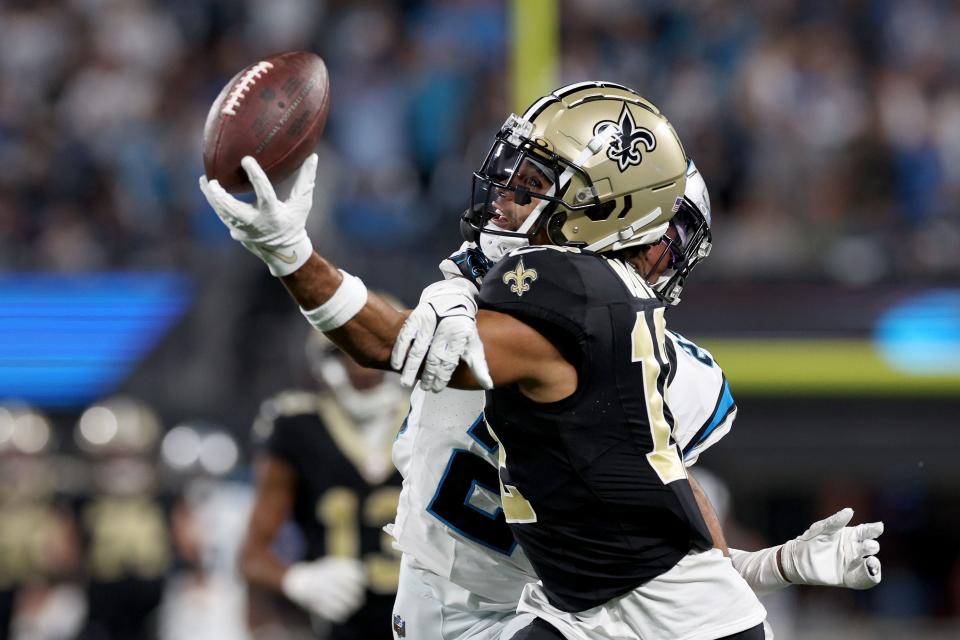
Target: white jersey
[449,520]
[699,398]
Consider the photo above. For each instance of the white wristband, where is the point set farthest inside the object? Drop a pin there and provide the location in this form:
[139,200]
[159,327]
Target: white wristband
[759,569]
[345,303]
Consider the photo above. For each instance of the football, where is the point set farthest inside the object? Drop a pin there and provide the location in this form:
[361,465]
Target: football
[275,111]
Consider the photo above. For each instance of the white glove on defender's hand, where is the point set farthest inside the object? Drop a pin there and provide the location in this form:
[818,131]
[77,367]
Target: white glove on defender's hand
[833,554]
[442,330]
[332,588]
[270,229]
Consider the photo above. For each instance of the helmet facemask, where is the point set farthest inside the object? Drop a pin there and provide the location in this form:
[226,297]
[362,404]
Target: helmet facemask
[689,242]
[516,173]
[619,167]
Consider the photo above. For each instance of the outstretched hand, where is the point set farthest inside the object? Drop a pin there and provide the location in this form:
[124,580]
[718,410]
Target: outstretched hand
[831,553]
[271,229]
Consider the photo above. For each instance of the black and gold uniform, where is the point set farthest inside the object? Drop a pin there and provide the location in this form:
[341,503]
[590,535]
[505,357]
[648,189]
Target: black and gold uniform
[35,537]
[6,611]
[593,486]
[128,555]
[346,492]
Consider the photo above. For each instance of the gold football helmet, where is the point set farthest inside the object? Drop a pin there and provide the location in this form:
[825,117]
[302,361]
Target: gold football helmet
[118,426]
[614,169]
[617,168]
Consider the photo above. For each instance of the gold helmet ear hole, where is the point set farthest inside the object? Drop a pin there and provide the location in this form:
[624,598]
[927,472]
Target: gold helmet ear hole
[601,212]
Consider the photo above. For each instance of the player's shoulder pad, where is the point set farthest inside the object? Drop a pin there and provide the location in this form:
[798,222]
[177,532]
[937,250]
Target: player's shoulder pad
[468,262]
[543,282]
[286,404]
[693,350]
[537,274]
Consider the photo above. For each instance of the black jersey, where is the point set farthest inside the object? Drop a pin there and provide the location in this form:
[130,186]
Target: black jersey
[6,611]
[593,485]
[128,555]
[345,494]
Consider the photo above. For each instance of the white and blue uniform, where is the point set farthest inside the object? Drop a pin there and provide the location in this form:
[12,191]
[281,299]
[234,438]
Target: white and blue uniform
[700,398]
[462,574]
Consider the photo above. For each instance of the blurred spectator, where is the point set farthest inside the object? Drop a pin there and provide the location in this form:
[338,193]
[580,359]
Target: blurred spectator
[827,130]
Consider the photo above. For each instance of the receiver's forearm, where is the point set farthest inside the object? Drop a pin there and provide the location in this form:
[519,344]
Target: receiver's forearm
[314,283]
[368,337]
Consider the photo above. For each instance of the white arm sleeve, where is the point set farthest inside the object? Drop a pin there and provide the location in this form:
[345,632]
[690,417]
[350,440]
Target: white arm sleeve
[759,569]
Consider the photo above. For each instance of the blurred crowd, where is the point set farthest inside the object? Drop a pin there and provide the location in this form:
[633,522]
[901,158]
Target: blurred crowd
[829,132]
[117,528]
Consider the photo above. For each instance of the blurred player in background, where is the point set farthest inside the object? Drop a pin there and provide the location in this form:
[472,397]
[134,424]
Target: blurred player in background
[325,464]
[129,525]
[38,549]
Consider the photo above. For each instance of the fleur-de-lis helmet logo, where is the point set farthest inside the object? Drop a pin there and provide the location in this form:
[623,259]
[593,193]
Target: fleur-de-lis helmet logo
[625,146]
[518,277]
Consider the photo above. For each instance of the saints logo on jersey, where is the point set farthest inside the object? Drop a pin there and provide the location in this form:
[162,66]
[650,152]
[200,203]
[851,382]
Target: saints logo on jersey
[517,279]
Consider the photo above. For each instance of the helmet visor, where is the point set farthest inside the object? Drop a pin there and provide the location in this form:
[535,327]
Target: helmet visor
[508,188]
[688,242]
[520,184]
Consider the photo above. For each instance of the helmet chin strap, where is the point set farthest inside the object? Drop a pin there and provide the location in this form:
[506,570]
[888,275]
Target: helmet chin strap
[671,297]
[496,246]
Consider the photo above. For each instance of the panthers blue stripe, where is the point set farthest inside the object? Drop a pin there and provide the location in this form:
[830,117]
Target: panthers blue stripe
[725,405]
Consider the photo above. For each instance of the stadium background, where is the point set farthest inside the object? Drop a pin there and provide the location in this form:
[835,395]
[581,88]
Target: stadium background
[828,132]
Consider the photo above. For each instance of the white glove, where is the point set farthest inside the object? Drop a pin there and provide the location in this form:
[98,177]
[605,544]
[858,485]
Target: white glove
[332,588]
[270,229]
[442,330]
[833,554]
